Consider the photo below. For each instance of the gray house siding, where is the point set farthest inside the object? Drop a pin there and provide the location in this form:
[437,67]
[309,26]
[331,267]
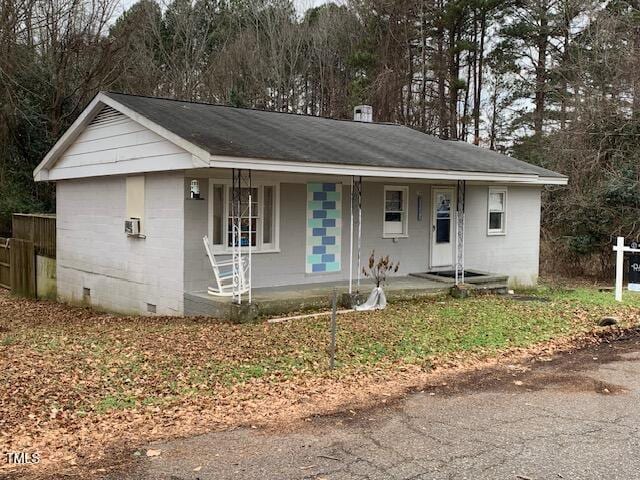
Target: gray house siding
[288,266]
[515,253]
[125,274]
[122,273]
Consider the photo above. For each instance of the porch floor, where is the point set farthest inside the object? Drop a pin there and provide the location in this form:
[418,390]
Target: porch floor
[290,298]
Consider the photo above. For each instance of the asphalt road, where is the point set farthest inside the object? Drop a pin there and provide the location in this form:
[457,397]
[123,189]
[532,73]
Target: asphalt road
[574,417]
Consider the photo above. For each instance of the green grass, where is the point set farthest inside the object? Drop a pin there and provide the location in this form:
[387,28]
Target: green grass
[116,402]
[135,362]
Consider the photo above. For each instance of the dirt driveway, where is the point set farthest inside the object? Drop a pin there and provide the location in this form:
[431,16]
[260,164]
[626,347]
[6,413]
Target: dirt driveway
[576,416]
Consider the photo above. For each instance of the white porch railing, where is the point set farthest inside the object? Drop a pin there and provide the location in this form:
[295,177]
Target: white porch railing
[241,208]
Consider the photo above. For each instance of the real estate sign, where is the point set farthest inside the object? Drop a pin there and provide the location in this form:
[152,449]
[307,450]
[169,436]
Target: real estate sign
[634,270]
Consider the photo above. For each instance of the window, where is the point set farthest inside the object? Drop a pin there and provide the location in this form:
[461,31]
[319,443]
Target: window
[497,209]
[267,224]
[249,217]
[395,212]
[443,216]
[218,214]
[260,228]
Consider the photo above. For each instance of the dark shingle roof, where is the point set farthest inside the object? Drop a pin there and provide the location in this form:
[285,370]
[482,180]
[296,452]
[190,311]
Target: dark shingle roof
[241,132]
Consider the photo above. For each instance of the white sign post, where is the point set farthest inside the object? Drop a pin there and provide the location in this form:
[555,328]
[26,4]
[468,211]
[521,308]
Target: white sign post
[620,250]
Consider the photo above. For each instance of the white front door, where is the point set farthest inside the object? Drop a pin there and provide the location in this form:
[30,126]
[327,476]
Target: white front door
[442,232]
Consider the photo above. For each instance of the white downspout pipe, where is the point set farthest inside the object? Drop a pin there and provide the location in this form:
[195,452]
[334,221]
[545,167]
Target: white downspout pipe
[619,267]
[351,239]
[250,243]
[359,230]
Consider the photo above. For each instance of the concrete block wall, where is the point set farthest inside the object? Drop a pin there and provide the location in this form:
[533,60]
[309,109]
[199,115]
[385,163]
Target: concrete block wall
[517,252]
[197,269]
[123,274]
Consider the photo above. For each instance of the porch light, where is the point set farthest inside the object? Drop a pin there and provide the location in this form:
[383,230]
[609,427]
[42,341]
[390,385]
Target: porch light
[195,189]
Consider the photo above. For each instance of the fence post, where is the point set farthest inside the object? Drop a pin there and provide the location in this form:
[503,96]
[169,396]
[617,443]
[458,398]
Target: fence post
[23,268]
[619,267]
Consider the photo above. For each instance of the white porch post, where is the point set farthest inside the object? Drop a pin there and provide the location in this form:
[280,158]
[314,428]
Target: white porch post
[351,239]
[358,188]
[235,233]
[619,248]
[459,250]
[241,181]
[250,238]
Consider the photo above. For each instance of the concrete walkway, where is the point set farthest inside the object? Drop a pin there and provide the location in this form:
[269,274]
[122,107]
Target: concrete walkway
[575,417]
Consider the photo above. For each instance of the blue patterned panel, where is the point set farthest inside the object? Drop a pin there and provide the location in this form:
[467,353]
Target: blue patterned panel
[324,204]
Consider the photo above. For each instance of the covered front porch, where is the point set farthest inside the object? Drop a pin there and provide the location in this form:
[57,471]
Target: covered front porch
[287,240]
[282,300]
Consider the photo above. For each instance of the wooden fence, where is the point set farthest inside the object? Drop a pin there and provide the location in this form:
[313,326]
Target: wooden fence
[23,268]
[5,263]
[39,229]
[32,235]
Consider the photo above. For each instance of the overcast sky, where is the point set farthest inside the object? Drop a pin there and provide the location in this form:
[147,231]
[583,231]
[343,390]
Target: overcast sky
[301,5]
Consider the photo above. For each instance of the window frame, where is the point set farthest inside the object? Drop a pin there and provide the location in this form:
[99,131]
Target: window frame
[405,210]
[261,247]
[503,229]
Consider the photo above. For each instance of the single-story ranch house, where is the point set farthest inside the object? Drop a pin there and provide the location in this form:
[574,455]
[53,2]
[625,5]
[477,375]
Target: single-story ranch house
[161,200]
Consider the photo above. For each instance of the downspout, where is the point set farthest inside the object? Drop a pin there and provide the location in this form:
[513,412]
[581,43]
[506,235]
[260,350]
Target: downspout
[459,250]
[359,196]
[351,239]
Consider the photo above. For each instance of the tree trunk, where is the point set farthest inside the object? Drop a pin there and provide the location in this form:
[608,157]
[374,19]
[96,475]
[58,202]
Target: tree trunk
[478,85]
[408,118]
[454,70]
[443,129]
[494,113]
[542,42]
[423,66]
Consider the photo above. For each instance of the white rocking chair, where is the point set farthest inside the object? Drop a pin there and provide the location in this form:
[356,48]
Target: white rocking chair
[223,273]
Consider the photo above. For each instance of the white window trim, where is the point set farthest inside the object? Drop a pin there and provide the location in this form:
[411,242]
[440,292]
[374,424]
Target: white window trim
[503,230]
[224,249]
[405,211]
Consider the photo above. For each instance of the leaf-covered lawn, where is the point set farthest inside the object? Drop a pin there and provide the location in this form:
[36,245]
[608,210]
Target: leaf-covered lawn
[76,382]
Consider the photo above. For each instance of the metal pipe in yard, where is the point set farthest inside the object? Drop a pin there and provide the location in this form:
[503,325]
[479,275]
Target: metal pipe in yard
[332,347]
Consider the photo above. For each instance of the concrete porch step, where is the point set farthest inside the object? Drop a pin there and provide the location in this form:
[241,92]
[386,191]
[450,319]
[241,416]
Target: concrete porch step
[480,278]
[272,301]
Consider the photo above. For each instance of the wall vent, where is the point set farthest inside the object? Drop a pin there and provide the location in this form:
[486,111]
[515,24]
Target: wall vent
[151,308]
[106,116]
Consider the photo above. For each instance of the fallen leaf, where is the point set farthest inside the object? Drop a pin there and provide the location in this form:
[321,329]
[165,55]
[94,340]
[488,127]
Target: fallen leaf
[153,453]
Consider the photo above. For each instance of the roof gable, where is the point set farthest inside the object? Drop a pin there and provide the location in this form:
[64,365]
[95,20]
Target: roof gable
[108,138]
